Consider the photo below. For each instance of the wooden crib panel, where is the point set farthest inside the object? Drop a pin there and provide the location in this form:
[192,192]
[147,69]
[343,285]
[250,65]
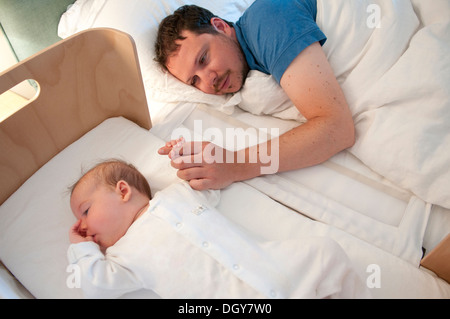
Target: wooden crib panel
[83,80]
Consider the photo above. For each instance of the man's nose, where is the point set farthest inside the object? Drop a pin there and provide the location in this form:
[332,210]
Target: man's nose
[208,80]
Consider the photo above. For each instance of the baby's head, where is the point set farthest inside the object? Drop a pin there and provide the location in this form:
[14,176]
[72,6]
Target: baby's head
[112,171]
[107,200]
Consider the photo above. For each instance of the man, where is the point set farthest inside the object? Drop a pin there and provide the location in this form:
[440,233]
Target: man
[273,36]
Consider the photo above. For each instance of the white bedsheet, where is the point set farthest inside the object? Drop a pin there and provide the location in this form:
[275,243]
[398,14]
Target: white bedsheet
[10,288]
[341,192]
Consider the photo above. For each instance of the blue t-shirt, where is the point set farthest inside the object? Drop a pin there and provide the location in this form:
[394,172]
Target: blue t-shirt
[273,32]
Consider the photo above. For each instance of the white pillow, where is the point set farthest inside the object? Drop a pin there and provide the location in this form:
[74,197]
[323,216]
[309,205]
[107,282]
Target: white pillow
[253,98]
[140,19]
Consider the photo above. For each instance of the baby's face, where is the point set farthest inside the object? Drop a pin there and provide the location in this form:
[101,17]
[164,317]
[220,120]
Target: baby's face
[100,209]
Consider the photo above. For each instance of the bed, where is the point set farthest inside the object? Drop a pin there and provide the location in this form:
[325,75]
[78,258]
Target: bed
[385,201]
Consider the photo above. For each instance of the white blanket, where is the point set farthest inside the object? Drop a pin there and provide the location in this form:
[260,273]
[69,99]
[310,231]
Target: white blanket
[398,87]
[392,59]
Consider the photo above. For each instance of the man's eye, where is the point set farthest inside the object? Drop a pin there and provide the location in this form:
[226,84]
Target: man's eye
[202,59]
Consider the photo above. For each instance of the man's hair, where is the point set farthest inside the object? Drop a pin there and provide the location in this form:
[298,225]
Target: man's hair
[186,18]
[110,172]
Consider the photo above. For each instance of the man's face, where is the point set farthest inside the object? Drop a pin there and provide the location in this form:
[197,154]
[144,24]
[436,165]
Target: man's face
[213,63]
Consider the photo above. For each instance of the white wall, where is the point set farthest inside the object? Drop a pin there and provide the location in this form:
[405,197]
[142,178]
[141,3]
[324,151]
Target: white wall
[7,60]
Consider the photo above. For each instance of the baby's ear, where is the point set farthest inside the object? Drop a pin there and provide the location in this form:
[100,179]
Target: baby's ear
[124,190]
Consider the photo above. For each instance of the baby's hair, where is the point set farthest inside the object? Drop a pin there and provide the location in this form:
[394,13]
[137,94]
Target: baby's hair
[110,172]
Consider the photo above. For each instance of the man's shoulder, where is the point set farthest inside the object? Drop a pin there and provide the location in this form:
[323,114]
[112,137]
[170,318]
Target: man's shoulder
[274,8]
[264,16]
[273,32]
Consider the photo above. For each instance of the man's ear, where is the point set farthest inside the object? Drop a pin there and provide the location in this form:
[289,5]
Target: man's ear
[220,25]
[124,190]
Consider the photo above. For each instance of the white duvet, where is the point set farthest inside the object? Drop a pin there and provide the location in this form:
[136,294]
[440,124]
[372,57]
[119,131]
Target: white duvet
[398,88]
[392,59]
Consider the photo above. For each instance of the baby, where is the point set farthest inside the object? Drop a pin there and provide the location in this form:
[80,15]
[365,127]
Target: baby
[109,198]
[122,244]
[179,246]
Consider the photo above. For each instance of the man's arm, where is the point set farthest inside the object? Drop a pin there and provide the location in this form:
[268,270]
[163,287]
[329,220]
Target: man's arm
[311,85]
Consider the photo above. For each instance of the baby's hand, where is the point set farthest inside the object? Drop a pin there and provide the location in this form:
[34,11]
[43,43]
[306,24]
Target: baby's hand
[172,148]
[76,235]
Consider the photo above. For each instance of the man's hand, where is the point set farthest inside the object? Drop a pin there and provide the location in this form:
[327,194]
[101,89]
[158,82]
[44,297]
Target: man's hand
[204,164]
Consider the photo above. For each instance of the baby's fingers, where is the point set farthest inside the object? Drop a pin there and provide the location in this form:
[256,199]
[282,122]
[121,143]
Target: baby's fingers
[75,227]
[165,150]
[74,233]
